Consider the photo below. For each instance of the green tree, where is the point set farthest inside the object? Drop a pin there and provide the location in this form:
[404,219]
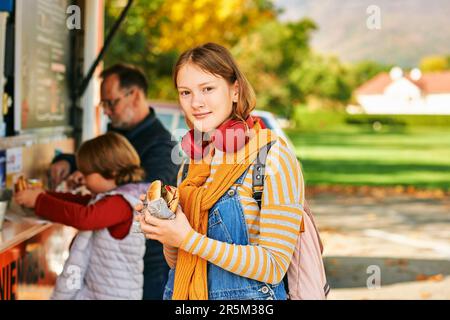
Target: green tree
[156,31]
[268,55]
[363,71]
[286,73]
[275,56]
[137,38]
[322,77]
[187,23]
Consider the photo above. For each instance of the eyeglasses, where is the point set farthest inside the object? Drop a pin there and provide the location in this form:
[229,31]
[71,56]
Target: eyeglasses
[111,104]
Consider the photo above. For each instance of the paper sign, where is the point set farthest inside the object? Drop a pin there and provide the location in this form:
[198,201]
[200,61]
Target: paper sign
[14,160]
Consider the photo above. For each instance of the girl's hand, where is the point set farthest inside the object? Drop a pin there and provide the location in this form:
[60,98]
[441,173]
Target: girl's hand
[140,205]
[168,232]
[28,197]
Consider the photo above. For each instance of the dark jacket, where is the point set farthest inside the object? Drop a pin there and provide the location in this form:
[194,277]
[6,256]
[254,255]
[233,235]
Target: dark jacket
[153,143]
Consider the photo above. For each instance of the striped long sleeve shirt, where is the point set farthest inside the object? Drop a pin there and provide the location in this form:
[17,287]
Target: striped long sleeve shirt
[273,230]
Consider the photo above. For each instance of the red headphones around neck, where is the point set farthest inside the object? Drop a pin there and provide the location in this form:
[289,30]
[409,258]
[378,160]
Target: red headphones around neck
[230,136]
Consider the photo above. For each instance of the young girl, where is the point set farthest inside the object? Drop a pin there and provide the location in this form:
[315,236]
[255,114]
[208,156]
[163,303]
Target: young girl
[106,260]
[221,245]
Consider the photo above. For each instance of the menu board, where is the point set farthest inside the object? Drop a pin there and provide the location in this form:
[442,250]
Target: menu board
[42,57]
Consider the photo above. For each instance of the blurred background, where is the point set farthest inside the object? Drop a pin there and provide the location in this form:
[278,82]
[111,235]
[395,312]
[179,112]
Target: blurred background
[362,89]
[343,92]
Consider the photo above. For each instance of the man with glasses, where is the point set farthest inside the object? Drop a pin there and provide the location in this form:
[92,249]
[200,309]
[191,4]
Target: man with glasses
[123,99]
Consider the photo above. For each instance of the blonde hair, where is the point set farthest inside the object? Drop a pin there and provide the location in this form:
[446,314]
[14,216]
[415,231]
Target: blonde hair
[217,60]
[111,156]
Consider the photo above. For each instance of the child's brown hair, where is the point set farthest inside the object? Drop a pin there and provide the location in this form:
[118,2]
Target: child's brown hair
[111,156]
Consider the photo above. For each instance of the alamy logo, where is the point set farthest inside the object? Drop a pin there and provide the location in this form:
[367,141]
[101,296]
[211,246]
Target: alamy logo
[73,21]
[373,22]
[374,280]
[73,282]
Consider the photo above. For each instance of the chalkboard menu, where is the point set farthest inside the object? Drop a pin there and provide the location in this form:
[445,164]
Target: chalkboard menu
[42,57]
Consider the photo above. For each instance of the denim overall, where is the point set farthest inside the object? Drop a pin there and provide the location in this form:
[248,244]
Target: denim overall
[226,223]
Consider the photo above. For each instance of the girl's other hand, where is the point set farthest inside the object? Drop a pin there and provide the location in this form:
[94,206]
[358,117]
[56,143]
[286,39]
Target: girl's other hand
[139,206]
[168,232]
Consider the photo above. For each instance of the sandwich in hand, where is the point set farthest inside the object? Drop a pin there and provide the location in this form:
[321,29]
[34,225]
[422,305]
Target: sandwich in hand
[161,200]
[168,193]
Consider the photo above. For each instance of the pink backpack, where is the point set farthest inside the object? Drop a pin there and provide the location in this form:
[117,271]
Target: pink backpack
[306,274]
[305,278]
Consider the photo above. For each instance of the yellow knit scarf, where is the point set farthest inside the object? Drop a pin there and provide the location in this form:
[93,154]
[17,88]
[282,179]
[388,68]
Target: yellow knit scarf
[191,271]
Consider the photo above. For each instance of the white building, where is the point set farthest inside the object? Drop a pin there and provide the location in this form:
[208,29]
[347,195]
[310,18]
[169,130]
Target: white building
[414,93]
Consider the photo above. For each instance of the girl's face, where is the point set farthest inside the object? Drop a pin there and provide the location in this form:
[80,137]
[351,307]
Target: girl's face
[206,99]
[96,183]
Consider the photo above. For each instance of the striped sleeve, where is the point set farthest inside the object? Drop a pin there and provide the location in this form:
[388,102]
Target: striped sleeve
[171,255]
[280,219]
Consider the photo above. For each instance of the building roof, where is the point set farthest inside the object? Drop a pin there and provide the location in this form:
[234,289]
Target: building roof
[429,83]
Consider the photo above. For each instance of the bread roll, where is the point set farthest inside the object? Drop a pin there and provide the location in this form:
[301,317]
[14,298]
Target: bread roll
[170,194]
[154,190]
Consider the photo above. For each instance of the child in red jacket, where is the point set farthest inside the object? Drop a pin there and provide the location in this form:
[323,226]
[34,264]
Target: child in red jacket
[111,168]
[105,165]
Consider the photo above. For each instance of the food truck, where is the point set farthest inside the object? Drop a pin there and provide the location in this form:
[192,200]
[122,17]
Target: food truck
[50,57]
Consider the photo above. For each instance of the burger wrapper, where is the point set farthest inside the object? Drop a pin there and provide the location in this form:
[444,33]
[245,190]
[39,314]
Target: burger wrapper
[157,208]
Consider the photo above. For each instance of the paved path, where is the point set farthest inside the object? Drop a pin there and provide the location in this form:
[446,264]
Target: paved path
[405,239]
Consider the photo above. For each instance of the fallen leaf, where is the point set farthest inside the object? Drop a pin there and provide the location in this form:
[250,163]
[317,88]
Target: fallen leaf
[425,295]
[378,193]
[410,190]
[398,189]
[402,262]
[389,262]
[328,229]
[333,261]
[396,262]
[333,273]
[421,277]
[437,277]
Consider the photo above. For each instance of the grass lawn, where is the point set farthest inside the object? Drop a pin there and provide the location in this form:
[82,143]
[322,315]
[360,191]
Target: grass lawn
[358,156]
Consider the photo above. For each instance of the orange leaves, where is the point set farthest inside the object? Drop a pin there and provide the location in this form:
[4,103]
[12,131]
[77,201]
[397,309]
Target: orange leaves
[435,277]
[378,192]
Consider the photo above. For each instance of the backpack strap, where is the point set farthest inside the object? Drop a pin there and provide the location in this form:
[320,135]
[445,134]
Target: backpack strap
[259,169]
[185,170]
